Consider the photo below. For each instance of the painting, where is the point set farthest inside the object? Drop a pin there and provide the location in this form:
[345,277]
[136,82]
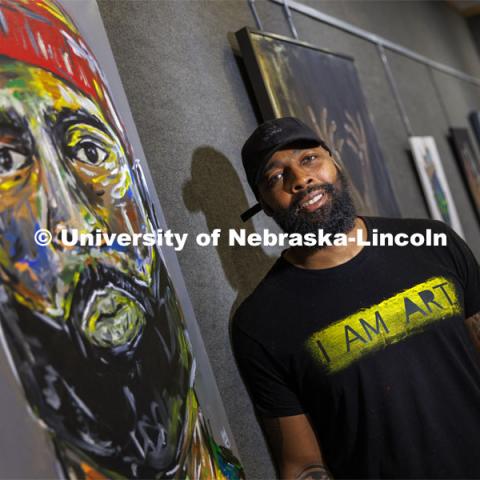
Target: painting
[474,118]
[96,336]
[468,163]
[291,78]
[434,182]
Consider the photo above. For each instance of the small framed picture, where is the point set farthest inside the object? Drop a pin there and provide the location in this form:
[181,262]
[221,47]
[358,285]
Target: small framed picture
[434,182]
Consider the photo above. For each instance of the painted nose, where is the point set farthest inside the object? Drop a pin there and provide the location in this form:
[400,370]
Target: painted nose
[70,221]
[68,206]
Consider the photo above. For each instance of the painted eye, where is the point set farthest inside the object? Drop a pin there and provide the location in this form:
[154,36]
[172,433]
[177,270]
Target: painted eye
[11,160]
[89,152]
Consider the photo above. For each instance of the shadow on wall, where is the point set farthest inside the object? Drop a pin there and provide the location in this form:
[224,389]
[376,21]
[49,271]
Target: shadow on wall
[216,190]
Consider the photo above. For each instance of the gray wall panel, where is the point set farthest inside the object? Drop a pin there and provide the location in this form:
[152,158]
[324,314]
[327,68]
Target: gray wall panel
[459,99]
[430,28]
[429,117]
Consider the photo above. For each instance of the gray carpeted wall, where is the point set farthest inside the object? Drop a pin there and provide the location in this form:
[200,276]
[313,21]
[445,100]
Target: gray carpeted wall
[193,112]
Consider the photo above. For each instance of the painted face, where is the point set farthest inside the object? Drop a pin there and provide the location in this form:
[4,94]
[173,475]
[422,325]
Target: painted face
[61,166]
[95,333]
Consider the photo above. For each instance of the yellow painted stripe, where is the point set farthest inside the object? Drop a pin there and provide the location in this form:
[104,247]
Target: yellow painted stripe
[390,321]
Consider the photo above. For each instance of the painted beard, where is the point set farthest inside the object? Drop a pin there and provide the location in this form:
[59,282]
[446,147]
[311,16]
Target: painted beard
[336,215]
[122,408]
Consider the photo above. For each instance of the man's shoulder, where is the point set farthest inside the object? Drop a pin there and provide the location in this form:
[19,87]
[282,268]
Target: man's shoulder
[258,305]
[407,225]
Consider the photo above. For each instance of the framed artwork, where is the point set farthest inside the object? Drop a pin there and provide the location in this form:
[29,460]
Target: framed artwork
[474,118]
[468,163]
[434,182]
[101,339]
[291,78]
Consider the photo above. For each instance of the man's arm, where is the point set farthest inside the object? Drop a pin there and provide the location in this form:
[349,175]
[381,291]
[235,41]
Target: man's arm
[295,448]
[473,325]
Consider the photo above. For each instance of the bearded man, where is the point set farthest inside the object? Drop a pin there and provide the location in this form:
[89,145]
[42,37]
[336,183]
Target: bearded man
[361,361]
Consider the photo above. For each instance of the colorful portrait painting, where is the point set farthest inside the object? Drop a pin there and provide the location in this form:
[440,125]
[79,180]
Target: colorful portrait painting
[468,163]
[291,78]
[434,182]
[96,335]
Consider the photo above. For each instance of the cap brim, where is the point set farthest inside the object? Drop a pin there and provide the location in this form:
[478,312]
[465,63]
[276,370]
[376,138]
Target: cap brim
[248,214]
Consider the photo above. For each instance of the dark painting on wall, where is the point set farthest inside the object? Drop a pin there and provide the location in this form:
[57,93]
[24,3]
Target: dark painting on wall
[468,163]
[291,78]
[474,118]
[98,335]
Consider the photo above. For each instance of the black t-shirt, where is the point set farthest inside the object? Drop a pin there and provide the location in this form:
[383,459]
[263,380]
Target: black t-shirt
[376,352]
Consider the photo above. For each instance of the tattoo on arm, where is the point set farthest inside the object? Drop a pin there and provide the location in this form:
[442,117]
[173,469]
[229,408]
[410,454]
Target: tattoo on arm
[294,459]
[473,325]
[314,472]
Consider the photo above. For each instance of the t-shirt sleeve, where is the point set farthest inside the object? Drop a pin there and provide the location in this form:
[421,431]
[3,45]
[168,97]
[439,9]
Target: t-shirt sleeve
[468,270]
[271,394]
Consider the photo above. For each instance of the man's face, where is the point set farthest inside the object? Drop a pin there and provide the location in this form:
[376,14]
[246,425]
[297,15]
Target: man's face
[304,191]
[96,332]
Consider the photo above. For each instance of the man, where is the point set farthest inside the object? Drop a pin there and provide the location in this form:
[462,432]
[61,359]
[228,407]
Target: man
[95,334]
[358,358]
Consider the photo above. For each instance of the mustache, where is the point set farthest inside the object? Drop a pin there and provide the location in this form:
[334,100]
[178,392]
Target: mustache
[98,276]
[299,197]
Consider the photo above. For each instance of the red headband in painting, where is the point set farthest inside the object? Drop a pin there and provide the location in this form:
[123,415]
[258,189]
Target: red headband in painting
[40,33]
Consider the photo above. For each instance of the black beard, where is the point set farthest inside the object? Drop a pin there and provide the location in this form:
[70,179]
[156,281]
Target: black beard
[337,215]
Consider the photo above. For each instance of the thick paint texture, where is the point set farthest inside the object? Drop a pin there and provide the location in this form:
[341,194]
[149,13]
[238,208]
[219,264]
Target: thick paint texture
[96,334]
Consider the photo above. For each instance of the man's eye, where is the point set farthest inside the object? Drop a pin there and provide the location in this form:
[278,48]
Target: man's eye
[309,158]
[273,179]
[89,152]
[11,160]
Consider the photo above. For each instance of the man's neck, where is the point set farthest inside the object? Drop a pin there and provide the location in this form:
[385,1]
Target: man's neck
[330,256]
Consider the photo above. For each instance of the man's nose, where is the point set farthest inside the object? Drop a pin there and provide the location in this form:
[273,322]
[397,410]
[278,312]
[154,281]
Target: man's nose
[299,179]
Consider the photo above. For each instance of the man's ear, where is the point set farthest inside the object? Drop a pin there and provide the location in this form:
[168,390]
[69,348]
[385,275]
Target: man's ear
[268,211]
[336,162]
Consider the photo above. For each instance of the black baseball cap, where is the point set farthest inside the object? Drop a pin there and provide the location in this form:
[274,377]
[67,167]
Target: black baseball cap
[268,138]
